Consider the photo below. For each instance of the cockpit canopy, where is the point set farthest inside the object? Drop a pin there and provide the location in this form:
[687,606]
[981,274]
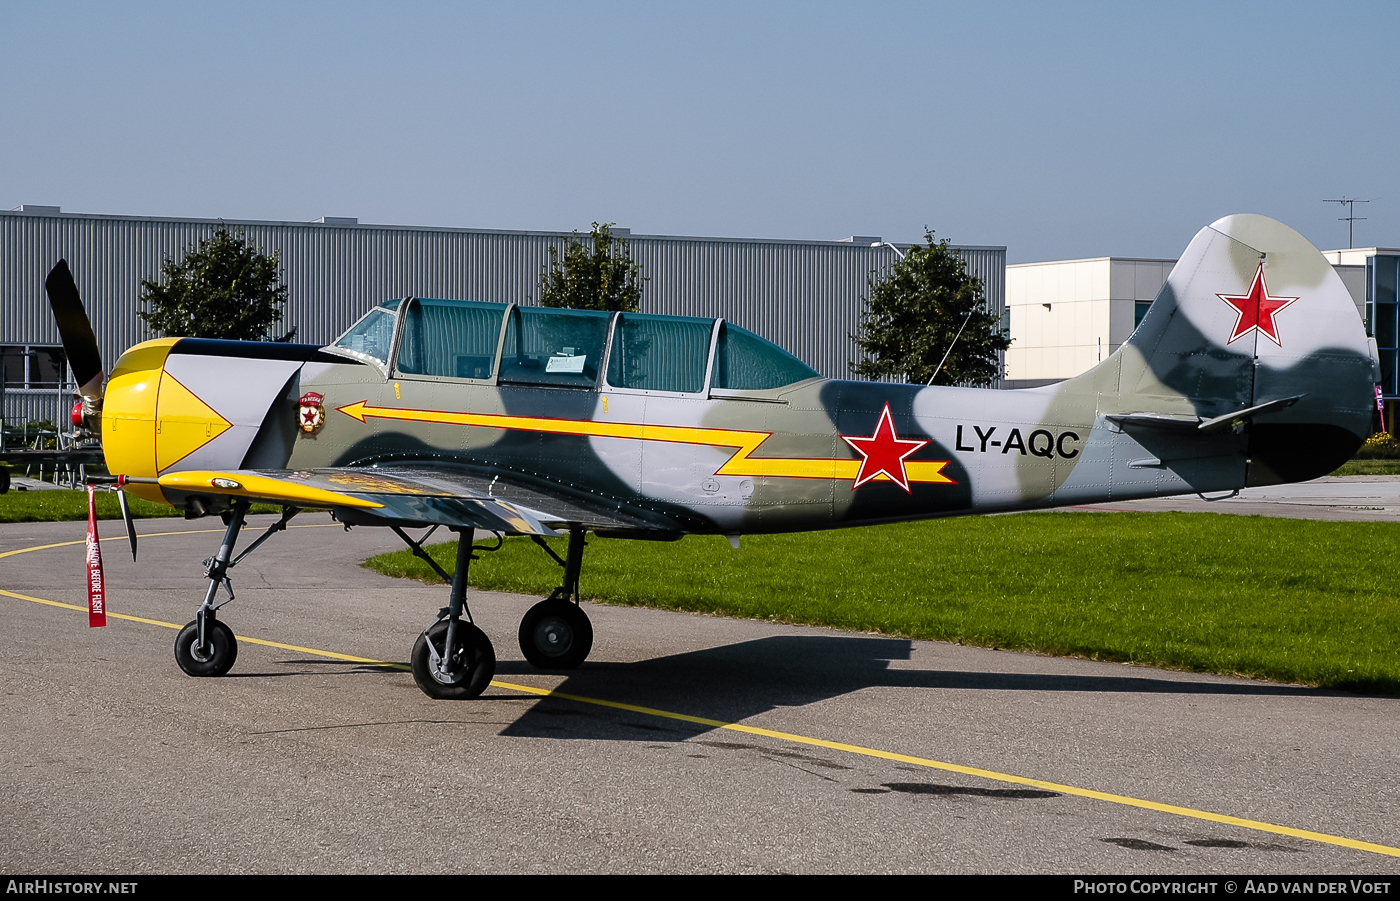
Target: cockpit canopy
[510,344]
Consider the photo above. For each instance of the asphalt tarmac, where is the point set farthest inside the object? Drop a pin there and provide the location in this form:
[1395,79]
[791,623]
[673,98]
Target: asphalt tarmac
[685,744]
[1357,498]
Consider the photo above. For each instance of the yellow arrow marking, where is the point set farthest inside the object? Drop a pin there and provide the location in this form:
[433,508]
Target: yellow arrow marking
[184,423]
[740,464]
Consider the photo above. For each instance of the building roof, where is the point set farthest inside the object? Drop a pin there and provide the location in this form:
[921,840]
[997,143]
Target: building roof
[1356,256]
[1094,260]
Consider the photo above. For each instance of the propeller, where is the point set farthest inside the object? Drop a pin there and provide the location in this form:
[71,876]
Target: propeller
[79,343]
[126,518]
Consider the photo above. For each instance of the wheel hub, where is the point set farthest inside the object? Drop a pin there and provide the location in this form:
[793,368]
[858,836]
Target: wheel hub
[445,677]
[553,636]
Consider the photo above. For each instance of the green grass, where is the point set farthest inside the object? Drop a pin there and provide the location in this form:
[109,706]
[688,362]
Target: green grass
[1368,468]
[1282,599]
[68,506]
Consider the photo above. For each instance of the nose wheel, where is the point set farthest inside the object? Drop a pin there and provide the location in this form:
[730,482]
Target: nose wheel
[206,647]
[217,654]
[556,634]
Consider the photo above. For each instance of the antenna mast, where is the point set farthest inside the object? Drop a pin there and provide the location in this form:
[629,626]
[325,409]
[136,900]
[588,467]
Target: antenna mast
[1350,217]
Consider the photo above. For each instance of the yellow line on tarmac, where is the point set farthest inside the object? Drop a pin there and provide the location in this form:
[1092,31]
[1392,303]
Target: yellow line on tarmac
[968,771]
[158,622]
[861,750]
[45,547]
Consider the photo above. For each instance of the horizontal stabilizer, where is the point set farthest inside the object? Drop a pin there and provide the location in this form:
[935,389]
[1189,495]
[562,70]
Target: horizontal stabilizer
[1187,423]
[1155,421]
[1219,422]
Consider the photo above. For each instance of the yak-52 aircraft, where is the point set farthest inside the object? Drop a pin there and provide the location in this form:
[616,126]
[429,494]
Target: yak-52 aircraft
[1251,368]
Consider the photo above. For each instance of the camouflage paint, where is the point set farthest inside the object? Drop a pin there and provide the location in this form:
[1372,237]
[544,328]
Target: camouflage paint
[777,460]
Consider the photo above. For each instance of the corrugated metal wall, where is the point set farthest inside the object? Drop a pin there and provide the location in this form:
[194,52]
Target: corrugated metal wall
[33,405]
[804,295]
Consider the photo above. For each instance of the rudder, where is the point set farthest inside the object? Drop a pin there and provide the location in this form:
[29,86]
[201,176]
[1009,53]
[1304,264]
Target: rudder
[1253,314]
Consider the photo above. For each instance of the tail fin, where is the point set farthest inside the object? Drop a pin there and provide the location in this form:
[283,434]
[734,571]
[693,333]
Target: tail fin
[1256,330]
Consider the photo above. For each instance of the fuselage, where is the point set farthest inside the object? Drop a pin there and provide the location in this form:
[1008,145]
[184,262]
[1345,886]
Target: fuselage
[738,437]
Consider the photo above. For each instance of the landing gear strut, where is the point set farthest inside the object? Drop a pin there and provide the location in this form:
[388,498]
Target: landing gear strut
[452,660]
[556,633]
[207,647]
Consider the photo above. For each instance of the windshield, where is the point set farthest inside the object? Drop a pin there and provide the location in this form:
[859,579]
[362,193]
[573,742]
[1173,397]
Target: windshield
[371,337]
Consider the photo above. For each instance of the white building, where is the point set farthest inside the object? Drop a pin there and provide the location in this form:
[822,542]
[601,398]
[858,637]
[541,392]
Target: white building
[1067,315]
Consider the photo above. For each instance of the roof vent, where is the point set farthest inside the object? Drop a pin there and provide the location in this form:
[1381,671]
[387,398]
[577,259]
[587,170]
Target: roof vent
[36,208]
[338,220]
[865,240]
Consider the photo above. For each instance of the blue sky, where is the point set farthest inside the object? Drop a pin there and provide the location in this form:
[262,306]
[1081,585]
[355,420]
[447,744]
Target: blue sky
[1058,130]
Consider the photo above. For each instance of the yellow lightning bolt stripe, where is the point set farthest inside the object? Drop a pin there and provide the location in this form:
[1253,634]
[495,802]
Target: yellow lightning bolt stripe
[740,464]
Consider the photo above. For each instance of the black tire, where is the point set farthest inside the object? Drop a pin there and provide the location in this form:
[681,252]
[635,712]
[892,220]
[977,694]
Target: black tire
[224,649]
[476,662]
[556,635]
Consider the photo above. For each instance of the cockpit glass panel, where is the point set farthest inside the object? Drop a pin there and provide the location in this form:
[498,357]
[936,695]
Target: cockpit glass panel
[453,338]
[549,346]
[371,336]
[746,362]
[659,353]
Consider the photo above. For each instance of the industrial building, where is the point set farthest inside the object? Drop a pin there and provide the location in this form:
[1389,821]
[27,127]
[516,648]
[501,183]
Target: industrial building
[1067,315]
[804,295]
[1373,274]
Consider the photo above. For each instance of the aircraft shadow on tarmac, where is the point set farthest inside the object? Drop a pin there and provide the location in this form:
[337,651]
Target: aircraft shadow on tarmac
[735,682]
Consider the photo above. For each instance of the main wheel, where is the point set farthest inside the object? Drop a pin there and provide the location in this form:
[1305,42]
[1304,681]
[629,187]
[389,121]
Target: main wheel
[473,656]
[556,635]
[215,660]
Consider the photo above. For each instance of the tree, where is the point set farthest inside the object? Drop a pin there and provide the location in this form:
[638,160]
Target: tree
[597,277]
[224,288]
[926,305]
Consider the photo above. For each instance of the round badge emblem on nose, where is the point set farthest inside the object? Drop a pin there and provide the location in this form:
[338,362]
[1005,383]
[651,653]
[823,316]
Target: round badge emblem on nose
[312,413]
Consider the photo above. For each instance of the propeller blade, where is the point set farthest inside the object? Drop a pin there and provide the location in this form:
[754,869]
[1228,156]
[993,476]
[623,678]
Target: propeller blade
[130,523]
[79,343]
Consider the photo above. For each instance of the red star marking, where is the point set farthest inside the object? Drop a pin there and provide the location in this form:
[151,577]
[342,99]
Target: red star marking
[308,414]
[883,453]
[1256,310]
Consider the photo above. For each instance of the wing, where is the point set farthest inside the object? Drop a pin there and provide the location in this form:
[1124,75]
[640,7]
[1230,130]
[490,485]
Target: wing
[424,495]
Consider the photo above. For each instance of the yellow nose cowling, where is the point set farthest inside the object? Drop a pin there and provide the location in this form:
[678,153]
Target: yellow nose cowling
[129,415]
[149,420]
